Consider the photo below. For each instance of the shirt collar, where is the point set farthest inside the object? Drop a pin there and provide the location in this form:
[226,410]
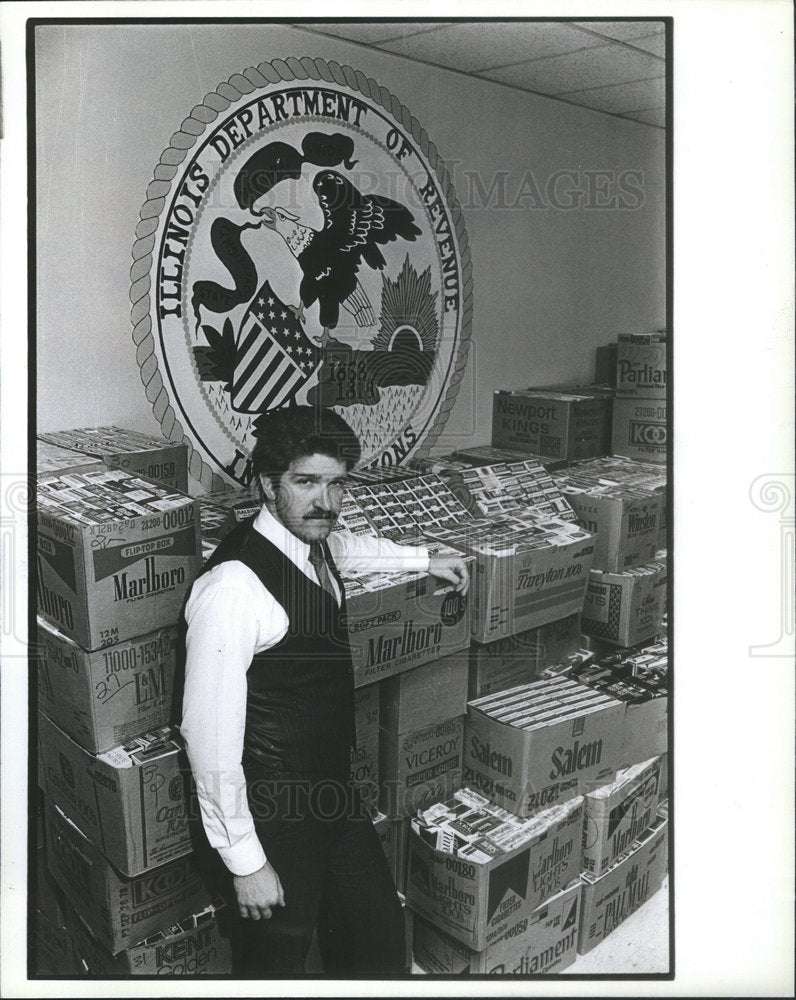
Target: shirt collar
[278,535]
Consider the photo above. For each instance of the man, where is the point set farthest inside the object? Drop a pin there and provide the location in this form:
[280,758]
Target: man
[268,716]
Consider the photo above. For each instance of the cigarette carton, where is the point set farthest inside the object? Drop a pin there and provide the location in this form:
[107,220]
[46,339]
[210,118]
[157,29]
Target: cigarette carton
[625,608]
[195,945]
[425,696]
[139,454]
[641,370]
[51,460]
[543,942]
[551,424]
[365,754]
[131,802]
[120,911]
[618,813]
[115,555]
[507,487]
[640,430]
[103,698]
[526,770]
[419,767]
[610,898]
[478,901]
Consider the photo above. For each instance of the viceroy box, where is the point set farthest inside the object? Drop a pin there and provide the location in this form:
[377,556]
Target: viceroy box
[419,767]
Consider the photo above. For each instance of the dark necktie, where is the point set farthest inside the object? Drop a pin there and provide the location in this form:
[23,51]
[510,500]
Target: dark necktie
[318,561]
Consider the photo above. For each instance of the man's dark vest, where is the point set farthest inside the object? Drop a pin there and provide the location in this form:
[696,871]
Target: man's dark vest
[300,703]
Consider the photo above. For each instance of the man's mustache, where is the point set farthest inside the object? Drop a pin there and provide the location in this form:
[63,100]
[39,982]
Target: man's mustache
[320,515]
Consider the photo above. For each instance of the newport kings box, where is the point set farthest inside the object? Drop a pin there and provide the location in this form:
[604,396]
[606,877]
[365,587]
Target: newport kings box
[625,524]
[640,430]
[478,903]
[641,370]
[131,801]
[609,899]
[551,424]
[419,767]
[115,555]
[120,911]
[102,699]
[625,608]
[544,941]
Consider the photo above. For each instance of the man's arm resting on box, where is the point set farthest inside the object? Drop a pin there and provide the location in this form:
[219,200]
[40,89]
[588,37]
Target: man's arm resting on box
[365,553]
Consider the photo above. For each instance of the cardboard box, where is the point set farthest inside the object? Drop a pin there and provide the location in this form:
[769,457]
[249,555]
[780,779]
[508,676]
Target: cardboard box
[529,769]
[53,949]
[617,814]
[609,899]
[51,460]
[196,945]
[104,698]
[116,555]
[540,943]
[641,370]
[139,454]
[425,696]
[646,729]
[625,524]
[365,755]
[551,424]
[132,801]
[640,430]
[625,608]
[419,767]
[477,903]
[517,659]
[120,911]
[394,839]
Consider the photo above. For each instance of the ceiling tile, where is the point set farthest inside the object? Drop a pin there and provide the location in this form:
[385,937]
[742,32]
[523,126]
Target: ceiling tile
[625,31]
[371,32]
[577,71]
[473,46]
[655,116]
[623,97]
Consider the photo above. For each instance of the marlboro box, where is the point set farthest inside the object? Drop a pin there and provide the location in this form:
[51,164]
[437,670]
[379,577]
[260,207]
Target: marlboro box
[425,696]
[641,370]
[610,898]
[475,870]
[51,460]
[115,554]
[419,767]
[542,942]
[640,430]
[195,945]
[549,423]
[618,813]
[541,743]
[625,608]
[104,698]
[365,755]
[120,911]
[139,454]
[130,801]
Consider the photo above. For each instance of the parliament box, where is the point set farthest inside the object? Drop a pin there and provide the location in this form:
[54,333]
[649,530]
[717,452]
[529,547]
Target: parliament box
[115,553]
[640,430]
[104,698]
[419,767]
[119,910]
[425,696]
[625,523]
[641,370]
[625,608]
[542,942]
[550,424]
[131,801]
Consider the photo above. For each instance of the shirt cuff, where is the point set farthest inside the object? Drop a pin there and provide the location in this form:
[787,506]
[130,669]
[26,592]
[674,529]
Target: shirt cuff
[415,557]
[245,857]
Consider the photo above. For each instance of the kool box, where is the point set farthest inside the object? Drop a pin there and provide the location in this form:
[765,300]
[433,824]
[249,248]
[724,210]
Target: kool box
[131,801]
[119,910]
[626,608]
[640,430]
[551,424]
[106,697]
[116,555]
[419,767]
[541,942]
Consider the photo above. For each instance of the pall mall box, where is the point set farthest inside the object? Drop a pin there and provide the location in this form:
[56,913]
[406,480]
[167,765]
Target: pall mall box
[119,910]
[549,423]
[132,801]
[475,872]
[625,608]
[105,697]
[139,454]
[115,555]
[640,429]
[544,941]
[641,368]
[419,767]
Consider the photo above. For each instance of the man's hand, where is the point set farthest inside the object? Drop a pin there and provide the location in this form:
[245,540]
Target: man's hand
[258,892]
[452,568]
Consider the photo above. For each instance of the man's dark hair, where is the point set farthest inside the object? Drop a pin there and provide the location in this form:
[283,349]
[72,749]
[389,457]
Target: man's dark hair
[287,434]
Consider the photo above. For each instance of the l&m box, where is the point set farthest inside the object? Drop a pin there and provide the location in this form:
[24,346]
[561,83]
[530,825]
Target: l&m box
[119,910]
[131,801]
[640,430]
[625,608]
[104,698]
[139,454]
[419,767]
[544,941]
[641,370]
[115,554]
[551,424]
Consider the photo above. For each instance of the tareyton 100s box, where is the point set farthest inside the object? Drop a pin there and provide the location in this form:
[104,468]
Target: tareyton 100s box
[115,553]
[549,423]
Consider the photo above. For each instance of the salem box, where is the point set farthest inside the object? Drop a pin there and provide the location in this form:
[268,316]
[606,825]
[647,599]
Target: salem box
[625,608]
[131,801]
[641,370]
[544,941]
[104,698]
[640,430]
[419,767]
[551,424]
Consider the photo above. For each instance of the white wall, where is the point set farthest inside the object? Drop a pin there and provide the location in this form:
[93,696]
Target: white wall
[549,284]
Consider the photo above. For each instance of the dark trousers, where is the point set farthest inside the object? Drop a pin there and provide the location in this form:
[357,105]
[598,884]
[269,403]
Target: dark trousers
[320,841]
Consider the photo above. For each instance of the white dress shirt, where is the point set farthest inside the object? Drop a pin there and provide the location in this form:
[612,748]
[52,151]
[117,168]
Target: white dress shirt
[230,617]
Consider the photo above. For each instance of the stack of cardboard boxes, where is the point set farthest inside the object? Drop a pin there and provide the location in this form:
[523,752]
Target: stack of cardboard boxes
[640,429]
